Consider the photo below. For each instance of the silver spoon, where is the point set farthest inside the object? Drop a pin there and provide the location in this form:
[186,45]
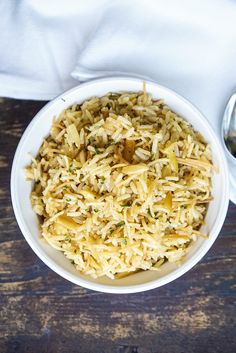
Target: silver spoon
[229,128]
[228,134]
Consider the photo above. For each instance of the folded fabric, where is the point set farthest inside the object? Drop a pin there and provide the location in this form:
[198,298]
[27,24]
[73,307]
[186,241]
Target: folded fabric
[40,42]
[186,45]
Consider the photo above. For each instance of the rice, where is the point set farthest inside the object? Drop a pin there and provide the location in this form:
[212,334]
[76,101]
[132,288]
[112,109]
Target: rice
[121,184]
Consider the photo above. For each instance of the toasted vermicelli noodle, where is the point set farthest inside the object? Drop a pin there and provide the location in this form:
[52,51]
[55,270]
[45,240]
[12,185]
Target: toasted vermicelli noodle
[122,184]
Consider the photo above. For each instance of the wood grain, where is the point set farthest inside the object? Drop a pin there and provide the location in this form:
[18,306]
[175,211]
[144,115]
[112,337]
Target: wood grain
[42,312]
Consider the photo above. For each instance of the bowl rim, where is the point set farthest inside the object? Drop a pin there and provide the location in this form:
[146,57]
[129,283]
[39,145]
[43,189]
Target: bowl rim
[116,289]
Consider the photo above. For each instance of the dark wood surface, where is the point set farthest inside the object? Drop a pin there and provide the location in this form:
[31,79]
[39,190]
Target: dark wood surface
[42,312]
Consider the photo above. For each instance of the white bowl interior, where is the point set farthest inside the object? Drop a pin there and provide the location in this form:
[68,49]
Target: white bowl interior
[28,221]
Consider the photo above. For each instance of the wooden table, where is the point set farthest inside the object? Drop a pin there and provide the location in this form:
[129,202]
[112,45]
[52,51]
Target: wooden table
[42,312]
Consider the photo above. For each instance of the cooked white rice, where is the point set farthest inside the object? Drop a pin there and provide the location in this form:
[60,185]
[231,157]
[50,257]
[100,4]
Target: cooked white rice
[122,184]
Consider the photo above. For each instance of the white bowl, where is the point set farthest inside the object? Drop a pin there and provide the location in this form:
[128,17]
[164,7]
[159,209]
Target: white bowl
[28,221]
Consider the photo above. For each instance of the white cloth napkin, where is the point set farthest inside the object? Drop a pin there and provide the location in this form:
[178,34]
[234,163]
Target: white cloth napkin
[186,45]
[40,42]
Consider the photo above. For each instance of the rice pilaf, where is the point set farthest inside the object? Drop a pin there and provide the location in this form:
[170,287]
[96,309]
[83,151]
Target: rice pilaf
[121,184]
